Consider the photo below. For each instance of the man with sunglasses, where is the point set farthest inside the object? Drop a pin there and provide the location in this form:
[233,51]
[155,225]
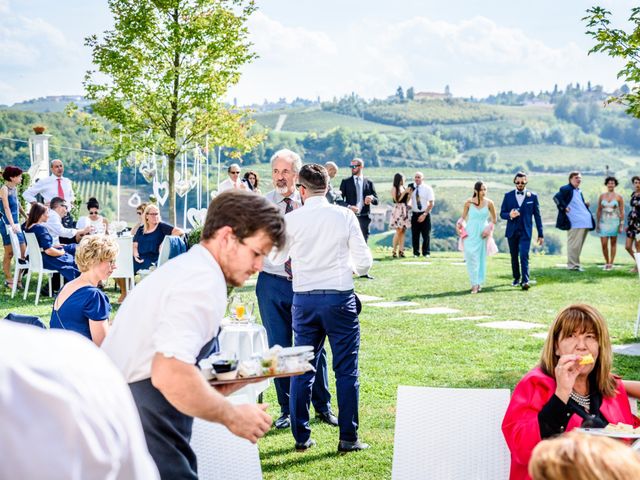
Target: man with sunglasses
[234,180]
[519,207]
[359,194]
[58,209]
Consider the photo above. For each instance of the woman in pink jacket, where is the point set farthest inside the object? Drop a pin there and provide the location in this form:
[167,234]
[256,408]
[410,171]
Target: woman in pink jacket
[573,386]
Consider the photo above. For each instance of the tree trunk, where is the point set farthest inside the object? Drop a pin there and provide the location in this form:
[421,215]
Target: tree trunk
[172,189]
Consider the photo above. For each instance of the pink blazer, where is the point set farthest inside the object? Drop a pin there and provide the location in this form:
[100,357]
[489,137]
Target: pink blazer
[520,425]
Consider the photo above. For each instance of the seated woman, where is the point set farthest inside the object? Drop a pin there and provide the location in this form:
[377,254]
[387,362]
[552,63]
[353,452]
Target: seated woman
[54,257]
[94,219]
[147,240]
[139,211]
[81,306]
[567,389]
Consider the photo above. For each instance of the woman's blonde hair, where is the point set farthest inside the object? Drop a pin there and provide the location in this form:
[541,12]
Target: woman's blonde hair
[578,456]
[147,209]
[582,318]
[94,249]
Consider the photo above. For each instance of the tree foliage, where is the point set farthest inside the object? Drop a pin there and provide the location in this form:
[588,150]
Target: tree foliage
[161,75]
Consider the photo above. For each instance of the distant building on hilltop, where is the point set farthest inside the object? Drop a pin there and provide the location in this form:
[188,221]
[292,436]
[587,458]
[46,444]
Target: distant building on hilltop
[431,96]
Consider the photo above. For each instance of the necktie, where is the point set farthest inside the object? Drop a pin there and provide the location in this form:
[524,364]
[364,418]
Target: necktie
[60,191]
[358,192]
[418,202]
[287,264]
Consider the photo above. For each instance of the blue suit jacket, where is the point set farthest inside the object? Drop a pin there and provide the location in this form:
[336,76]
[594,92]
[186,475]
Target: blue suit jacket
[529,210]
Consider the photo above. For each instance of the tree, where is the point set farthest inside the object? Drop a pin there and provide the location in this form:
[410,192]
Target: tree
[618,43]
[168,65]
[400,94]
[410,93]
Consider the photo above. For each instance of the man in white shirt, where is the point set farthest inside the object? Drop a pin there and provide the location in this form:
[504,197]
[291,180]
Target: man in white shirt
[422,201]
[275,295]
[234,181]
[65,411]
[326,246]
[169,322]
[54,185]
[58,209]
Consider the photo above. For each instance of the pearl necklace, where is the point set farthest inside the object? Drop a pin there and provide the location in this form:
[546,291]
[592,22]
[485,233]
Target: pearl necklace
[583,400]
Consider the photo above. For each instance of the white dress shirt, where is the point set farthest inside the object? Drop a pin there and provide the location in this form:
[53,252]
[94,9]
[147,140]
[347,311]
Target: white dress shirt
[520,197]
[229,184]
[426,196]
[326,245]
[175,311]
[48,188]
[278,199]
[56,229]
[65,411]
[578,214]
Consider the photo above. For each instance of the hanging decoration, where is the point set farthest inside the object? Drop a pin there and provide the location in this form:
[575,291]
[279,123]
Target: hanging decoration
[196,216]
[134,200]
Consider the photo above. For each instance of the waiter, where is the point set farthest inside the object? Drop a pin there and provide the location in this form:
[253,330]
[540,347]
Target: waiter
[169,321]
[326,246]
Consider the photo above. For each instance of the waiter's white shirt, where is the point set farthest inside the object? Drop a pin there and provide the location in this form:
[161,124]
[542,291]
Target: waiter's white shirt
[175,312]
[65,411]
[326,245]
[426,196]
[56,229]
[229,184]
[48,188]
[278,199]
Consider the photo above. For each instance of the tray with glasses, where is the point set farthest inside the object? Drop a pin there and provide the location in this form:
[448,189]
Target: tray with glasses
[277,362]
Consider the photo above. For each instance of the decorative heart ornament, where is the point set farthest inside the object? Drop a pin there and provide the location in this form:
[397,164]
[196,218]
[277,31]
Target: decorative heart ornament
[193,181]
[148,171]
[177,176]
[182,187]
[159,187]
[196,217]
[134,200]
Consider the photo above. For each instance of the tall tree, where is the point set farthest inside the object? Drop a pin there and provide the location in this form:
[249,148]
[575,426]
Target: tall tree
[618,43]
[162,74]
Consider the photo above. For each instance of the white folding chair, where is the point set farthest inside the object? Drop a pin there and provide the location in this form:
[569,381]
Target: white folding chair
[124,262]
[223,456]
[635,329]
[450,433]
[36,266]
[17,255]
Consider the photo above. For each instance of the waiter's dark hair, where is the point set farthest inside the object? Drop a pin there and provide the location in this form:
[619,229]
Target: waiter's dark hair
[314,177]
[247,214]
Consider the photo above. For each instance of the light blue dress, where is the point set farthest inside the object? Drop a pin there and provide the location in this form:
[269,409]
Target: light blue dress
[609,218]
[475,247]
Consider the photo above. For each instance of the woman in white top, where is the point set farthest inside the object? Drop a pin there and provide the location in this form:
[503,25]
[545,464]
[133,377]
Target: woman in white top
[94,219]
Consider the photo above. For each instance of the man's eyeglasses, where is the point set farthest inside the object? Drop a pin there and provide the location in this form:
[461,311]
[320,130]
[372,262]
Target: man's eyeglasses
[298,185]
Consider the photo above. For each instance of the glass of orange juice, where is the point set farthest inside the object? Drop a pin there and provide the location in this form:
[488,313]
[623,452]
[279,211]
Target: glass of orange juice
[240,311]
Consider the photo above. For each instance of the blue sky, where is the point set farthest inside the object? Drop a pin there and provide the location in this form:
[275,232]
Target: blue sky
[327,48]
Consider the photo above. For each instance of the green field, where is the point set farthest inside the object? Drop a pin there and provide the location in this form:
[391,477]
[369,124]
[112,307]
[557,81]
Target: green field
[316,120]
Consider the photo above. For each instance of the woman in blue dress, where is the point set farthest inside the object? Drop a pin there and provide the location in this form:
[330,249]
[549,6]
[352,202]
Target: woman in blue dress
[81,306]
[54,257]
[480,216]
[147,240]
[610,220]
[9,209]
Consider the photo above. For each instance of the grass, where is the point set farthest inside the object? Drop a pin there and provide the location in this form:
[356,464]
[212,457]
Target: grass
[316,120]
[401,348]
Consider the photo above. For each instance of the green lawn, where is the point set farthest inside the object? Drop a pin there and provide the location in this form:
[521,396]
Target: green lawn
[401,348]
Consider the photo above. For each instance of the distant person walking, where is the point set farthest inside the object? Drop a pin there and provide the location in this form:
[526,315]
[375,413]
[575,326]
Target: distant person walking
[633,222]
[233,182]
[359,194]
[422,202]
[609,220]
[479,213]
[575,217]
[518,208]
[400,215]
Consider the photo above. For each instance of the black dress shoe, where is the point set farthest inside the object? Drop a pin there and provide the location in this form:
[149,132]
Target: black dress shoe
[301,447]
[283,422]
[356,446]
[328,418]
[525,286]
[515,283]
[367,276]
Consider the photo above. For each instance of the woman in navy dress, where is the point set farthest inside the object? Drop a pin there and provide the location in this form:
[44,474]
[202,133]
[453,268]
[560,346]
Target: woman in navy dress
[81,306]
[147,240]
[54,257]
[9,209]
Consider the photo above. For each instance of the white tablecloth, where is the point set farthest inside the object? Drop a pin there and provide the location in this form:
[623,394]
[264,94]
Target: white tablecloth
[245,340]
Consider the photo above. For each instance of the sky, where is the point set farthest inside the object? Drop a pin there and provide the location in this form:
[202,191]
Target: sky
[331,48]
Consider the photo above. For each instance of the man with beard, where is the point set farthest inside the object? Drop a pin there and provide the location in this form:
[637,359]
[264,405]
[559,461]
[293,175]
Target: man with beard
[275,294]
[169,322]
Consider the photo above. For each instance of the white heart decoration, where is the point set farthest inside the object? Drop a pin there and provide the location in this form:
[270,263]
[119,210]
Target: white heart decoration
[148,171]
[193,181]
[157,188]
[177,176]
[196,217]
[134,200]
[182,187]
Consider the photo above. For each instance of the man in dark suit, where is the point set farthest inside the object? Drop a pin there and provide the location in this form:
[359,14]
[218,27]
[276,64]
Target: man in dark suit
[519,207]
[359,194]
[575,217]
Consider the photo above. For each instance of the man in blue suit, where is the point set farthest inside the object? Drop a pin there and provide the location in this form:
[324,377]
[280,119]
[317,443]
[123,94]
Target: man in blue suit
[519,207]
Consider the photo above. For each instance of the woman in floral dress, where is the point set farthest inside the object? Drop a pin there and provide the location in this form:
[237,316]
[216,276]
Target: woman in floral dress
[400,220]
[633,222]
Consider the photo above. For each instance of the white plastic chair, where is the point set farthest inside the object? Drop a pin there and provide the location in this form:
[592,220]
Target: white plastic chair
[635,329]
[223,456]
[17,254]
[35,266]
[124,262]
[450,433]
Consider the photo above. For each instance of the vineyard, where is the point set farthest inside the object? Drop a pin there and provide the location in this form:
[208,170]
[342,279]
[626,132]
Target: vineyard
[104,192]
